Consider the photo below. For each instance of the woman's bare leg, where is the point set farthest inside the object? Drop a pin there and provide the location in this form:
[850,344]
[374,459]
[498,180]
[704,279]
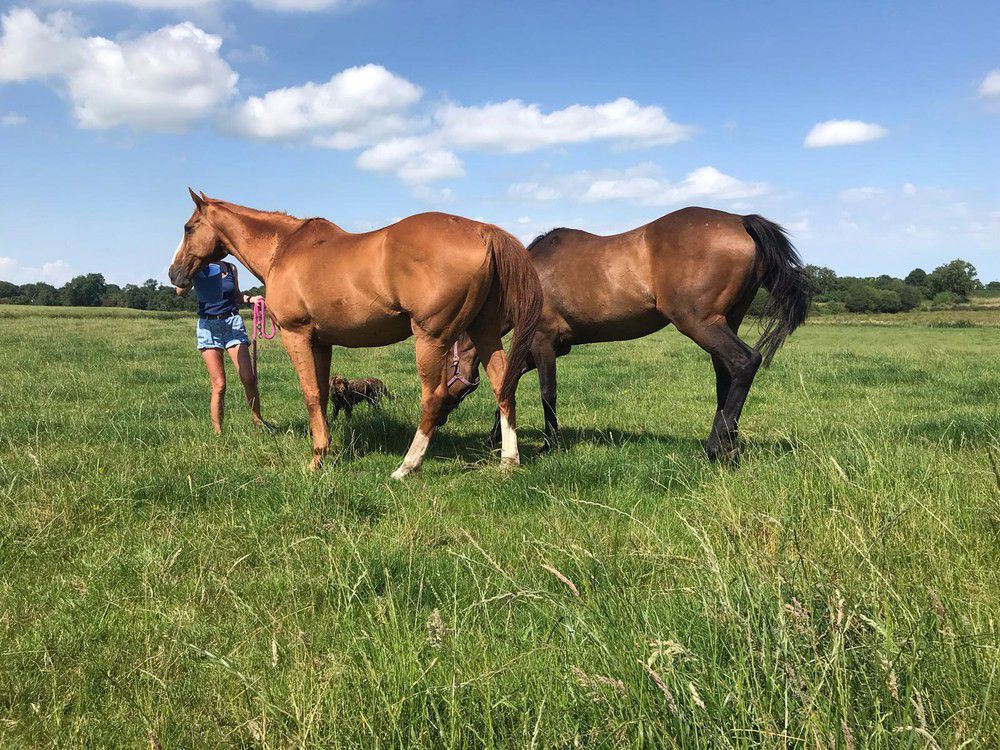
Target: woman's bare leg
[240,354]
[217,376]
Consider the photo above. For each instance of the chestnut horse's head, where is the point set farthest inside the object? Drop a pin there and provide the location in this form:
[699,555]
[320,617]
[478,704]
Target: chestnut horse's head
[200,245]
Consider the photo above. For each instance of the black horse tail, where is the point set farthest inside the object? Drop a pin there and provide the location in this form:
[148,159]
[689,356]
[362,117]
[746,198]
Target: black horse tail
[785,277]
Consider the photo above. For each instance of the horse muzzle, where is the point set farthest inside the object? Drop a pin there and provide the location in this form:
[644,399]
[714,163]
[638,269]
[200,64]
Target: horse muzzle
[179,277]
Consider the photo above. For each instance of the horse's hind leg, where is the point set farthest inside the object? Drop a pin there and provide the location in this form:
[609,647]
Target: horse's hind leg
[722,382]
[543,358]
[486,338]
[544,355]
[734,360]
[433,392]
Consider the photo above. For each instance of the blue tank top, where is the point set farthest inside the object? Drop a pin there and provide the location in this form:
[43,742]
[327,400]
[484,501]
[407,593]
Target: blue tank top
[216,293]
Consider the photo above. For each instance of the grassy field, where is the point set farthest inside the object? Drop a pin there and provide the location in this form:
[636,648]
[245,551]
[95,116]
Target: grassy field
[163,587]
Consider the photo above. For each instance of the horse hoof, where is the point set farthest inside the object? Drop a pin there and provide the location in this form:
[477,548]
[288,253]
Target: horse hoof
[400,474]
[509,462]
[728,455]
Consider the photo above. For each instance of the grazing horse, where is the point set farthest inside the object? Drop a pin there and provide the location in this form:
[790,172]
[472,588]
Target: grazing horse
[696,268]
[432,276]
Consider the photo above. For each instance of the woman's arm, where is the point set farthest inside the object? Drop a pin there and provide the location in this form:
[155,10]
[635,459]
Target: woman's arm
[245,298]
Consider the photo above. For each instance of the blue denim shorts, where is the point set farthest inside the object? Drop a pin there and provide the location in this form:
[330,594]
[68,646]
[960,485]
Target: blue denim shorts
[222,333]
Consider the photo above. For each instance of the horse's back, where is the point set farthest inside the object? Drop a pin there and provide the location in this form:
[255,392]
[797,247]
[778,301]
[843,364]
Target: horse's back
[597,288]
[627,285]
[696,234]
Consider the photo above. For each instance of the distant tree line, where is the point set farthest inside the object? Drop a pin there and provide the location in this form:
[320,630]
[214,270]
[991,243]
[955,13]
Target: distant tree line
[947,285]
[91,290]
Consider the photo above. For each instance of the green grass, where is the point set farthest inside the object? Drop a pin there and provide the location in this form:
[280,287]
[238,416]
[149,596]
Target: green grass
[163,585]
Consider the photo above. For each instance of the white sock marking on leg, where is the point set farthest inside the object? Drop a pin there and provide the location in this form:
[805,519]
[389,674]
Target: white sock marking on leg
[508,442]
[414,456]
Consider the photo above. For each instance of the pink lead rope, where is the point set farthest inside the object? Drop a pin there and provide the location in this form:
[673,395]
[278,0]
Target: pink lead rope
[260,328]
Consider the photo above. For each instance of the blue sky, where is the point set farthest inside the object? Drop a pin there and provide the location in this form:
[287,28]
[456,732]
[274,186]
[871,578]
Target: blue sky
[869,130]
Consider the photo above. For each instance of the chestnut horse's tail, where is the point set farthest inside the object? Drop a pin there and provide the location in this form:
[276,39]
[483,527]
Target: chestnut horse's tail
[785,277]
[521,298]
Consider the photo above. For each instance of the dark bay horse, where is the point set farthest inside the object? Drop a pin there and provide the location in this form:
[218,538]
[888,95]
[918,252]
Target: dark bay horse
[432,276]
[696,268]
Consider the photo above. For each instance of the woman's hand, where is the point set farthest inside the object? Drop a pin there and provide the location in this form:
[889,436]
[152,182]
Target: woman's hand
[181,291]
[253,300]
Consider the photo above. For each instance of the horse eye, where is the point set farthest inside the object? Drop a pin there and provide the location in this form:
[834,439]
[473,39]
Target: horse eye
[188,229]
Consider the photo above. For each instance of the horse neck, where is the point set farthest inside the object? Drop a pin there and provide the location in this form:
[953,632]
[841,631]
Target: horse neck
[254,237]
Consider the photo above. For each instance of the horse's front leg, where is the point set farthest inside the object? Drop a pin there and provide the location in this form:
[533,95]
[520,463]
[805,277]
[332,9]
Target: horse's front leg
[308,360]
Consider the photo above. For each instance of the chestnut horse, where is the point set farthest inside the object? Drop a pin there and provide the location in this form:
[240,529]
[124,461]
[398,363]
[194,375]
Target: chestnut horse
[696,268]
[431,275]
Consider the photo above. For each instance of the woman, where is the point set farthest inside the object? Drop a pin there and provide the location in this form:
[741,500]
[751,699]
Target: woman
[220,327]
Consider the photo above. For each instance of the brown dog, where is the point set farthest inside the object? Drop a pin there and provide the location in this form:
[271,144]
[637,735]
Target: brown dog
[346,394]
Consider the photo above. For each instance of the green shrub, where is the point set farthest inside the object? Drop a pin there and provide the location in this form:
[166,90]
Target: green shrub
[945,299]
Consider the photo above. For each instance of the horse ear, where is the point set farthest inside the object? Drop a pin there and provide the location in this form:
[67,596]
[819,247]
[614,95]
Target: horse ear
[203,196]
[199,202]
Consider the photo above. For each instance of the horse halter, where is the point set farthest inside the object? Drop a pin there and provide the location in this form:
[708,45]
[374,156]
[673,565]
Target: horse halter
[456,376]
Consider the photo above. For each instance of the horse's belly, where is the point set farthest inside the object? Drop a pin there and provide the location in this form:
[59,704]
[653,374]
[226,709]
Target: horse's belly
[635,326]
[356,332]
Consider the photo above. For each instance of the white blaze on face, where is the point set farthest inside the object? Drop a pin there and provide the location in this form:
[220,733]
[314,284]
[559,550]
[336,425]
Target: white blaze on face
[414,456]
[177,252]
[508,442]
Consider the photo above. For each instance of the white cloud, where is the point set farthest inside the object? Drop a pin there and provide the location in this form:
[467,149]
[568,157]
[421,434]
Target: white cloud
[369,106]
[56,272]
[34,48]
[284,6]
[163,81]
[862,194]
[535,191]
[306,5]
[704,182]
[799,225]
[356,107]
[166,80]
[12,119]
[372,108]
[433,195]
[255,53]
[148,4]
[842,133]
[515,127]
[641,185]
[990,86]
[414,160]
[172,78]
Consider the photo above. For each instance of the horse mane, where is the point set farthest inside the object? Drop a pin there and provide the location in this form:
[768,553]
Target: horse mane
[542,236]
[256,212]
